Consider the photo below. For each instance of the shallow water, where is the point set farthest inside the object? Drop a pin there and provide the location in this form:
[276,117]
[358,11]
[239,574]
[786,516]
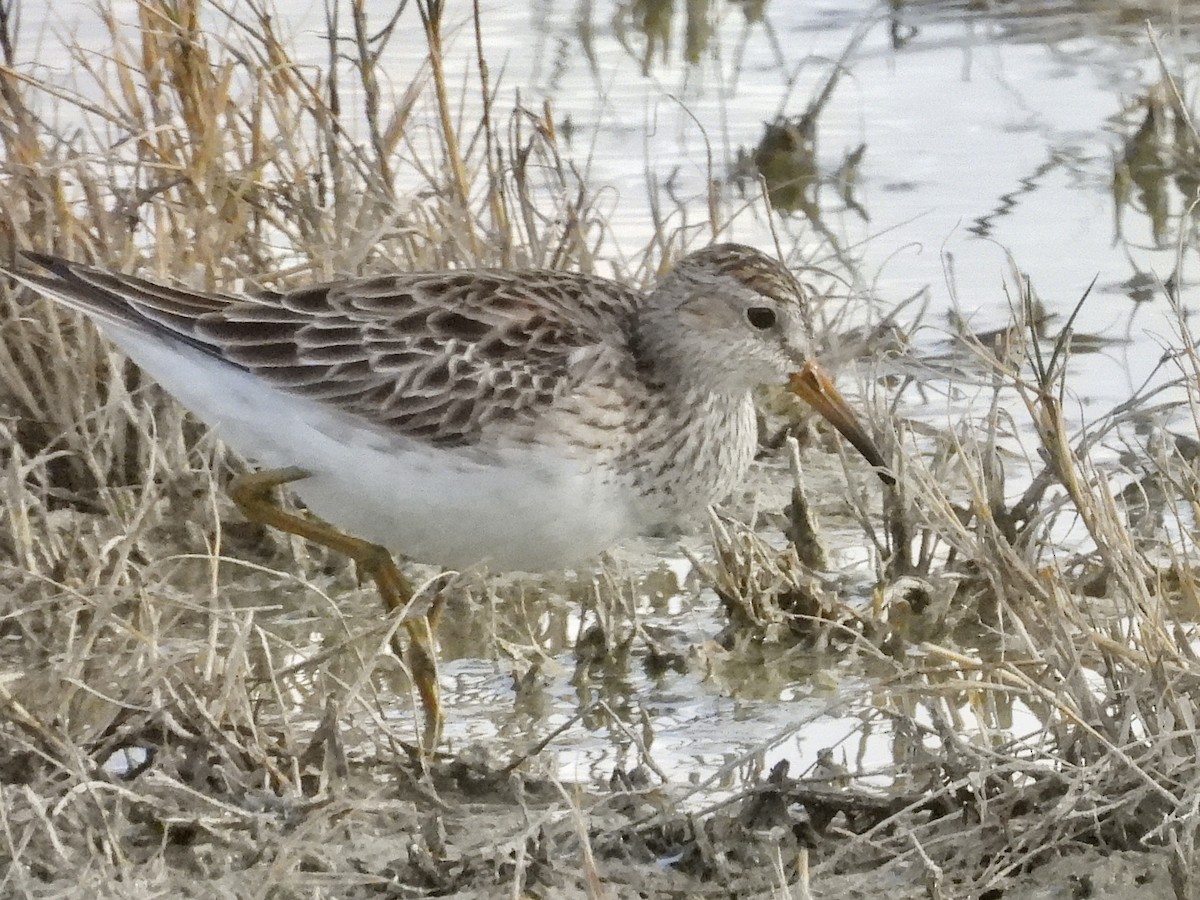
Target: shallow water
[990,140]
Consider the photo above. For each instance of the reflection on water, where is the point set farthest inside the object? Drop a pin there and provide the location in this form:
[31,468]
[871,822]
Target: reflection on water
[685,729]
[1159,165]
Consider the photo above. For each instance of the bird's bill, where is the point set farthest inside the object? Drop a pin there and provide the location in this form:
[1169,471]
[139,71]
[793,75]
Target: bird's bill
[815,388]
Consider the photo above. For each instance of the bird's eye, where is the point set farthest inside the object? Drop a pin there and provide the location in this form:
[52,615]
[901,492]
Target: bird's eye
[761,317]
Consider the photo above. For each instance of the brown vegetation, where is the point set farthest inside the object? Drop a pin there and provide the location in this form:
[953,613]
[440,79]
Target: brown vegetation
[167,725]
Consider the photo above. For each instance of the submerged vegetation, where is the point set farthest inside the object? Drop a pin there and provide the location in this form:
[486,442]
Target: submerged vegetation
[192,706]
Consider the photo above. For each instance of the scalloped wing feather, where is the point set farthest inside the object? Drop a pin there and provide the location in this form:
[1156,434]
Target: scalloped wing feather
[437,357]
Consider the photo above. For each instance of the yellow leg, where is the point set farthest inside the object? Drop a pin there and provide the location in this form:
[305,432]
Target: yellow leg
[254,495]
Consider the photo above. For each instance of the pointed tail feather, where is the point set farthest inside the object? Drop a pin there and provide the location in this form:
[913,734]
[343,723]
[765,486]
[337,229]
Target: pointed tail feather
[123,302]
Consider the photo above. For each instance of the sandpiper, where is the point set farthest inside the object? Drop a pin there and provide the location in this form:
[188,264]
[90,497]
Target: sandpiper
[524,419]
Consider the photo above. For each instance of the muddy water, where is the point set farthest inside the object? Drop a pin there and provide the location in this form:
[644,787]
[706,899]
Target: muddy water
[954,146]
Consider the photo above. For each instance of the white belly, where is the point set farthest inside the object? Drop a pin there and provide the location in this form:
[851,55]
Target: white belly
[523,509]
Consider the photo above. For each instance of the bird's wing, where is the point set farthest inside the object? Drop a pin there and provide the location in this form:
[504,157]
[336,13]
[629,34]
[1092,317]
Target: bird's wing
[437,357]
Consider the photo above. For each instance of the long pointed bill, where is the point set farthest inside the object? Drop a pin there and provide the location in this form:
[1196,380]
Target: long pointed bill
[815,388]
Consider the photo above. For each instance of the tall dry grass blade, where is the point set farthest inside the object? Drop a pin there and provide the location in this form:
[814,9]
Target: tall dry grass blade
[432,12]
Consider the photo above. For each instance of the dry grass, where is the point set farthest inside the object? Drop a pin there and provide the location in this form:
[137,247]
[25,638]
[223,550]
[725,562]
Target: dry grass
[208,153]
[166,725]
[1036,648]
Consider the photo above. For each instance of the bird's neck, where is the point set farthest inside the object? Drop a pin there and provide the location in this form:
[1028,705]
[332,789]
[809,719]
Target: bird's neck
[694,451]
